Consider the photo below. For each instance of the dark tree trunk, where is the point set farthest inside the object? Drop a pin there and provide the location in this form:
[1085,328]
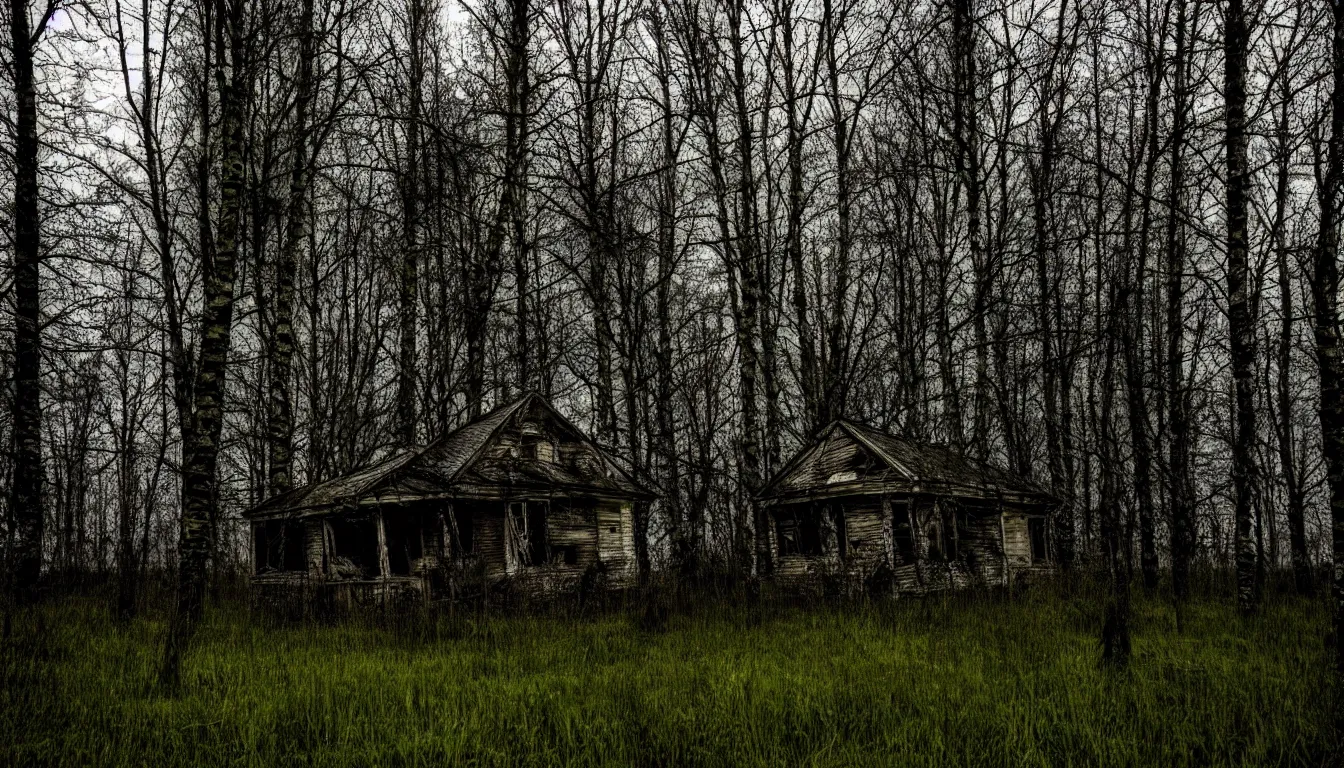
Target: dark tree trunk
[1303,579]
[408,282]
[966,136]
[1115,642]
[795,209]
[749,289]
[1047,256]
[1180,492]
[1325,300]
[667,454]
[1240,312]
[1133,309]
[201,448]
[280,418]
[26,491]
[835,384]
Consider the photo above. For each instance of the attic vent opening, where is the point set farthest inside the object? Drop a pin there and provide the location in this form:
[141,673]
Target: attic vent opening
[538,449]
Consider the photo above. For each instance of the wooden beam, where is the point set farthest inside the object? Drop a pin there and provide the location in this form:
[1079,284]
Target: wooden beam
[1003,545]
[384,565]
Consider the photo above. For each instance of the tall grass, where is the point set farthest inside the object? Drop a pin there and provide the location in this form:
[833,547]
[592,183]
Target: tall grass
[943,681]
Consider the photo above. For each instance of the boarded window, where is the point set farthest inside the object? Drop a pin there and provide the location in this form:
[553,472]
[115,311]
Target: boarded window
[1036,531]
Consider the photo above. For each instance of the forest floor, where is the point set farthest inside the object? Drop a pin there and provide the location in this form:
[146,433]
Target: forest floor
[941,681]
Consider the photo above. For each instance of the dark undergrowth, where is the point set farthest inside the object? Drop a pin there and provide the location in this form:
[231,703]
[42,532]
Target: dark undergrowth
[940,681]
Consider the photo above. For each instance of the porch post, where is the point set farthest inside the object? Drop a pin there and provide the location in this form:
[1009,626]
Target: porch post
[384,567]
[1003,544]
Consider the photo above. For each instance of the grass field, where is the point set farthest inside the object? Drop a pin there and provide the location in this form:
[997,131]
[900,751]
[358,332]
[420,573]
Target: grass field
[955,681]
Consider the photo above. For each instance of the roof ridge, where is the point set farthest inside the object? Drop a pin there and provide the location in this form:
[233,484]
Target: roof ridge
[891,461]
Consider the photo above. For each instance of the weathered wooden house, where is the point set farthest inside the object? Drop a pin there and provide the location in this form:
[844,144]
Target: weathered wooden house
[859,508]
[519,498]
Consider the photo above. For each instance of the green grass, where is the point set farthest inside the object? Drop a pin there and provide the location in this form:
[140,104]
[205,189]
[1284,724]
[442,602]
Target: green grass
[937,682]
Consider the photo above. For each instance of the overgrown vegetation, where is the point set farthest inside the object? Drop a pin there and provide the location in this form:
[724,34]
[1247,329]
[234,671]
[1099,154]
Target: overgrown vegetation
[958,680]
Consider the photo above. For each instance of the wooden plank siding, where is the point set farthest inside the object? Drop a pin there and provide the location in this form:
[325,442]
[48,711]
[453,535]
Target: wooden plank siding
[954,545]
[616,541]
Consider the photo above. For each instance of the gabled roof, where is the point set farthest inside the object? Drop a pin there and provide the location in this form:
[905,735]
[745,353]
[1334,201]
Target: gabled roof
[857,458]
[456,459]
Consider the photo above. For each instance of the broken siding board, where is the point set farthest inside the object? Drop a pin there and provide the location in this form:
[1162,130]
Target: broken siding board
[488,523]
[1016,540]
[866,546]
[574,527]
[984,554]
[314,545]
[838,459]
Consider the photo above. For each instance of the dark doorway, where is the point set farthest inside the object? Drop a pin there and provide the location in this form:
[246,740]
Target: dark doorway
[536,530]
[355,547]
[903,532]
[463,520]
[1036,530]
[401,532]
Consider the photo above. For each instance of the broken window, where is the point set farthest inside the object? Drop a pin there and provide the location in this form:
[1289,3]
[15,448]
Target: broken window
[944,536]
[836,529]
[568,554]
[800,530]
[538,448]
[354,547]
[279,546]
[933,534]
[528,519]
[1036,532]
[536,526]
[462,522]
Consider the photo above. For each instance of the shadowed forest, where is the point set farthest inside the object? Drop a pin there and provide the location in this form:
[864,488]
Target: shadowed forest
[1061,275]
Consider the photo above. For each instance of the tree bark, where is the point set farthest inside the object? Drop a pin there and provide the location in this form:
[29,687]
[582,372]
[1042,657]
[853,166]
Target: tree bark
[748,268]
[1133,307]
[1240,313]
[26,503]
[1180,492]
[835,383]
[1047,255]
[280,418]
[201,446]
[1326,325]
[408,282]
[1300,558]
[966,136]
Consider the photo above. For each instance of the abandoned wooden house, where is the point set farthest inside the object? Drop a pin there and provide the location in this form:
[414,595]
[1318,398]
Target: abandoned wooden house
[859,508]
[519,498]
